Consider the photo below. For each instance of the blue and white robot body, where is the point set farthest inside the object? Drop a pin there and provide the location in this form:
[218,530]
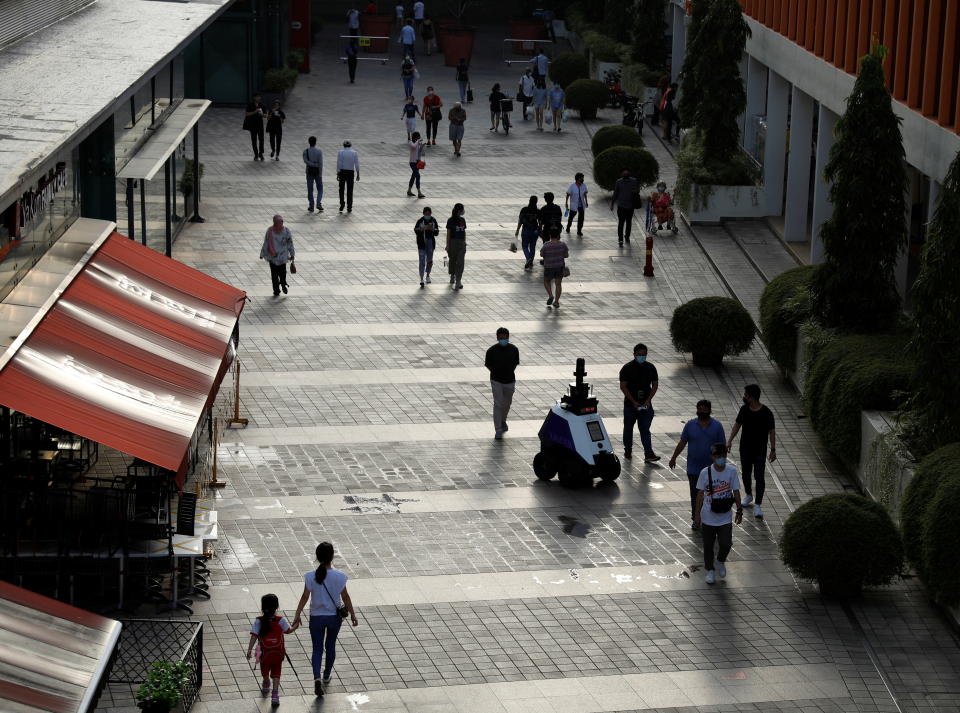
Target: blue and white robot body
[583,434]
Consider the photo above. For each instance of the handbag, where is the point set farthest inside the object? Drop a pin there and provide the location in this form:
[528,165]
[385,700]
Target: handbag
[341,611]
[436,114]
[421,164]
[469,94]
[717,504]
[293,268]
[416,73]
[521,97]
[566,271]
[313,171]
[548,118]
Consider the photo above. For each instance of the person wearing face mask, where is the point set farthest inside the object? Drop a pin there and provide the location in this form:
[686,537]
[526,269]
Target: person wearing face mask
[502,360]
[525,91]
[432,114]
[718,496]
[638,382]
[699,434]
[758,426]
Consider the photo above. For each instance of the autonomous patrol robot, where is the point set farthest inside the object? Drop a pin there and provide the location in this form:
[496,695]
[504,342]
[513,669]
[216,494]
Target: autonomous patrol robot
[574,444]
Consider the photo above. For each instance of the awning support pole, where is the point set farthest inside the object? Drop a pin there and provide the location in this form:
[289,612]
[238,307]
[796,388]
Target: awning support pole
[130,208]
[196,175]
[214,483]
[236,420]
[167,208]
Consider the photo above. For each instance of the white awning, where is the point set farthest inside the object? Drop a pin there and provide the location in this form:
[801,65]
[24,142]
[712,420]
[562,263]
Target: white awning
[150,157]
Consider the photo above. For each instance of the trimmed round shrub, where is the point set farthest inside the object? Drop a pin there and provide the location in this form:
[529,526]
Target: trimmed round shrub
[931,523]
[568,67]
[610,136]
[586,96]
[609,165]
[784,305]
[711,328]
[844,542]
[850,374]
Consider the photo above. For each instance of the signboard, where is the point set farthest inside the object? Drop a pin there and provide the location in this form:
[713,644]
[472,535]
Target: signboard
[364,41]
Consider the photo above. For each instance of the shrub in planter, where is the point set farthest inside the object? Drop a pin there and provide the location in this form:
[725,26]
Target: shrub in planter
[618,135]
[586,96]
[279,80]
[712,328]
[931,523]
[568,67]
[849,374]
[784,305]
[842,541]
[604,48]
[696,173]
[163,686]
[609,164]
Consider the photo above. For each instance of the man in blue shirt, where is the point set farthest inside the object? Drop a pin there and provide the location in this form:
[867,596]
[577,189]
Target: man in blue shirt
[700,433]
[408,38]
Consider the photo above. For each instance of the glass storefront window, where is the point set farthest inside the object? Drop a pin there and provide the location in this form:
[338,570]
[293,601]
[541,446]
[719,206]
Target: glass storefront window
[148,107]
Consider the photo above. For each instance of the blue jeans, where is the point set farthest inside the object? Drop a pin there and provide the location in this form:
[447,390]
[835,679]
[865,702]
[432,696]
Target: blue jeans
[311,182]
[426,256]
[323,633]
[463,90]
[529,243]
[643,419]
[407,86]
[410,51]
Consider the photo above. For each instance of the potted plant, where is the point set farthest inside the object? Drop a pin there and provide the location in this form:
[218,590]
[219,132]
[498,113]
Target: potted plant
[586,96]
[276,82]
[842,541]
[456,39]
[711,328]
[163,687]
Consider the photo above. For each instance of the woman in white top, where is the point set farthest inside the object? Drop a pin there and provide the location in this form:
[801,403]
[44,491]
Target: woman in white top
[416,153]
[576,203]
[327,590]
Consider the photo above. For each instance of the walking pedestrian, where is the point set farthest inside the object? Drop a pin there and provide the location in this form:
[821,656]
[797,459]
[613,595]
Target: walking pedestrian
[399,13]
[639,383]
[625,192]
[277,250]
[662,85]
[432,114]
[348,170]
[409,116]
[551,216]
[539,102]
[350,52]
[416,163]
[758,426]
[313,159]
[253,122]
[457,116]
[700,434]
[718,491]
[408,38]
[463,78]
[408,72]
[668,111]
[501,361]
[353,21]
[557,104]
[456,245]
[554,254]
[268,631]
[428,34]
[525,91]
[330,604]
[496,96]
[528,227]
[275,128]
[576,203]
[419,12]
[540,62]
[426,230]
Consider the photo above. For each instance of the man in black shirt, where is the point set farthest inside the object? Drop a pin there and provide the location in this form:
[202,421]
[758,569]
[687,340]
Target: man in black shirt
[758,424]
[551,216]
[253,122]
[502,360]
[638,382]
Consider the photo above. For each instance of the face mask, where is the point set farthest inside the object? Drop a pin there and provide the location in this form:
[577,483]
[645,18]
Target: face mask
[429,94]
[721,461]
[640,358]
[703,416]
[503,342]
[661,190]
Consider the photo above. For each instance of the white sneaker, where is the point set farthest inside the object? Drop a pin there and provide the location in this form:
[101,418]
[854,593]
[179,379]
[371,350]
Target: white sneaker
[757,511]
[747,501]
[711,577]
[428,280]
[721,569]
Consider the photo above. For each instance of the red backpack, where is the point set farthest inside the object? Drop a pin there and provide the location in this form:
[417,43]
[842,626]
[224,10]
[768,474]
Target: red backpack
[272,641]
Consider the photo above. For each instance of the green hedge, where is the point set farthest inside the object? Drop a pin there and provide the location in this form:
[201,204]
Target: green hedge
[568,67]
[931,523]
[609,165]
[712,328]
[851,373]
[784,305]
[843,541]
[617,135]
[693,169]
[586,96]
[279,80]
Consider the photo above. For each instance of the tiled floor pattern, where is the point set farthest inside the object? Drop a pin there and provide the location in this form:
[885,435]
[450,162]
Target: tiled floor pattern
[479,589]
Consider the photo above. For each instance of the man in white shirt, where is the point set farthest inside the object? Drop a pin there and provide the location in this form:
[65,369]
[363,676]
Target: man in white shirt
[348,168]
[718,493]
[408,38]
[576,203]
[526,90]
[313,160]
[418,14]
[540,64]
[353,21]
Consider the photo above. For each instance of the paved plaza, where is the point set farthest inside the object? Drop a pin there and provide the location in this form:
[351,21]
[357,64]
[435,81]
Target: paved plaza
[478,588]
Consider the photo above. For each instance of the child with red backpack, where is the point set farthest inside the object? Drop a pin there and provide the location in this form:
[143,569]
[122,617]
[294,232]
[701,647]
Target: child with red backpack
[268,631]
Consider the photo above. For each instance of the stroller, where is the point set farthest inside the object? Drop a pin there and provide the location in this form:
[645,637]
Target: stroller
[662,204]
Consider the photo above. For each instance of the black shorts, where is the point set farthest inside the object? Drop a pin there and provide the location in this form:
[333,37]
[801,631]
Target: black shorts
[553,273]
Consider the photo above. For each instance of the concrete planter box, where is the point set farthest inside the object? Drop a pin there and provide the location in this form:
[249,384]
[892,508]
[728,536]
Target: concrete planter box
[713,204]
[885,468]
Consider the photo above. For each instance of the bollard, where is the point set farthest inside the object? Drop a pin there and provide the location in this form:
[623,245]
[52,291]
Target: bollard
[648,266]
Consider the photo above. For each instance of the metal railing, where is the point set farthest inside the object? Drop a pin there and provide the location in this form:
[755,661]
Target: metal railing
[144,642]
[364,41]
[520,46]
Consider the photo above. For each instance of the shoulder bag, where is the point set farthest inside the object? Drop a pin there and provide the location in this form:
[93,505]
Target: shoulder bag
[341,611]
[717,504]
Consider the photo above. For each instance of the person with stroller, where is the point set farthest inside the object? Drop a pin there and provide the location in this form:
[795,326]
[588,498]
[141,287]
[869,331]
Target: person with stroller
[661,203]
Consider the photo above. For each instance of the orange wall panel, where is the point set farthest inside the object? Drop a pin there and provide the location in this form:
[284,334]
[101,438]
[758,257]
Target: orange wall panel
[949,92]
[850,40]
[792,20]
[889,38]
[839,33]
[900,68]
[917,30]
[863,26]
[829,29]
[929,99]
[819,23]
